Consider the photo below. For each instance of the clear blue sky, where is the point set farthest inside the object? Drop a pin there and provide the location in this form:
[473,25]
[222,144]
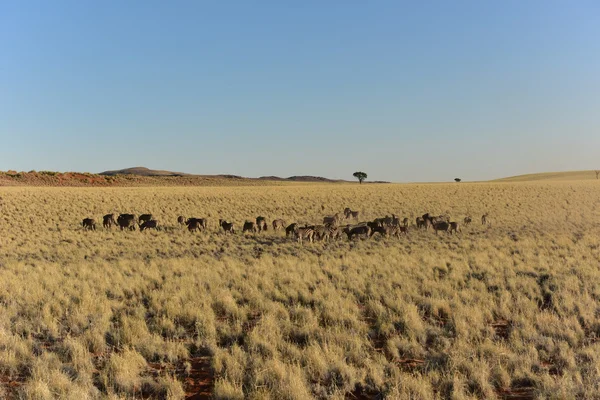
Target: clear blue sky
[404,92]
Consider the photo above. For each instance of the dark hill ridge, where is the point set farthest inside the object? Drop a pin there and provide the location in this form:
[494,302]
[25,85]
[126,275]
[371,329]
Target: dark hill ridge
[141,171]
[303,178]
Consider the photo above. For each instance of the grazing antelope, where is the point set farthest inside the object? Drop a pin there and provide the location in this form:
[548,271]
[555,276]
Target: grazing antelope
[278,224]
[144,217]
[228,227]
[374,224]
[89,224]
[261,224]
[193,225]
[454,227]
[348,213]
[357,230]
[108,220]
[202,222]
[250,226]
[291,229]
[428,224]
[126,221]
[387,220]
[485,219]
[382,230]
[397,231]
[441,226]
[332,220]
[150,224]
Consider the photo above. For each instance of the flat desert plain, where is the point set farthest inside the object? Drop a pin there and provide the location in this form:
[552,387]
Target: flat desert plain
[508,310]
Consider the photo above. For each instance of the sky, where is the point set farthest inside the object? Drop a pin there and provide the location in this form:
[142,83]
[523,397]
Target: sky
[405,92]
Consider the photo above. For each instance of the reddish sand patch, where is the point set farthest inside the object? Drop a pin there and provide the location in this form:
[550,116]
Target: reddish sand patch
[525,393]
[502,328]
[197,379]
[199,383]
[11,385]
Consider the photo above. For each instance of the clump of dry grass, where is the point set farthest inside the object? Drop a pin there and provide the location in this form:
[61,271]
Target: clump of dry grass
[494,311]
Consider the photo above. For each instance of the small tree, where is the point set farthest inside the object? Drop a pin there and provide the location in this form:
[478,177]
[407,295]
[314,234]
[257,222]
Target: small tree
[361,176]
[457,179]
[597,174]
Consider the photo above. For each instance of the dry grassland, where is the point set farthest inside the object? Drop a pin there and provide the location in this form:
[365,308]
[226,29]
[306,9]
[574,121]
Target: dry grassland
[507,311]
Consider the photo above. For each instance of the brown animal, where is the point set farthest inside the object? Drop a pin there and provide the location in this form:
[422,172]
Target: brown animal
[397,231]
[278,224]
[358,230]
[89,224]
[193,225]
[402,229]
[420,222]
[108,220]
[428,224]
[348,213]
[150,224]
[291,229]
[181,220]
[374,224]
[405,222]
[202,222]
[441,226]
[250,226]
[333,220]
[382,230]
[454,227]
[485,219]
[228,227]
[126,221]
[144,218]
[467,220]
[261,224]
[387,221]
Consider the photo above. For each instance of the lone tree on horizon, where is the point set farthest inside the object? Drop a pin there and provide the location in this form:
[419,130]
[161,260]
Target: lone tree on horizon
[361,176]
[457,179]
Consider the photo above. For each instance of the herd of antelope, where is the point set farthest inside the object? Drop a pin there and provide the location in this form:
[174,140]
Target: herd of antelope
[332,228]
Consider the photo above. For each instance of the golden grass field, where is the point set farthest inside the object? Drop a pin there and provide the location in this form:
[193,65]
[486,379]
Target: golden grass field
[505,311]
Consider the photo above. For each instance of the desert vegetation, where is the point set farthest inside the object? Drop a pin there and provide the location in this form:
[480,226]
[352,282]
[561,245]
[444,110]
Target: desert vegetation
[504,310]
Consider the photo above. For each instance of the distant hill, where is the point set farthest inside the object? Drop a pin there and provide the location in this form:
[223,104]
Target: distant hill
[304,178]
[141,171]
[551,176]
